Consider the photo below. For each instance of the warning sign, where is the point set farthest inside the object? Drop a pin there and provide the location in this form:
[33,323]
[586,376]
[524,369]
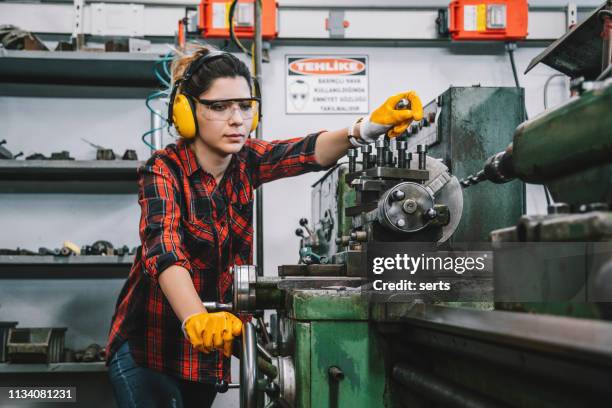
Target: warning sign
[327,84]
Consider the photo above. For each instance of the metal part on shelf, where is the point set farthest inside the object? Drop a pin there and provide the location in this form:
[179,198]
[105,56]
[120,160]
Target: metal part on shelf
[5,154]
[36,345]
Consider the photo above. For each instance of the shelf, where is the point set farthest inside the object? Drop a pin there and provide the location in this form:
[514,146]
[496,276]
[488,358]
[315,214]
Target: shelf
[78,74]
[69,176]
[8,368]
[64,267]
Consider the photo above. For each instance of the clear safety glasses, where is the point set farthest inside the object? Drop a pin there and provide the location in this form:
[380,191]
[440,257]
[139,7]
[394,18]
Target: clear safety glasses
[223,109]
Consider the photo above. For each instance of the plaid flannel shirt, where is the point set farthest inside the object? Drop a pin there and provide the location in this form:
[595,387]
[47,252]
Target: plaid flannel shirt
[189,220]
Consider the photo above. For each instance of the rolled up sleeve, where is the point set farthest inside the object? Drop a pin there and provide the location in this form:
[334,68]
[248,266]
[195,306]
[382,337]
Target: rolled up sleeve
[161,232]
[272,160]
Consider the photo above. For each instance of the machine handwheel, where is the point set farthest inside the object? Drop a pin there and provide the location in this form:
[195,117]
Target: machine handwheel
[248,367]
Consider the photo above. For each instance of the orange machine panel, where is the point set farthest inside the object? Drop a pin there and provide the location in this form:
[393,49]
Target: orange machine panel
[488,20]
[213,19]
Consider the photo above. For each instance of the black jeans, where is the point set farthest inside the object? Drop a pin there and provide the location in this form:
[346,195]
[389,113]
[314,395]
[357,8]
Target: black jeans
[136,386]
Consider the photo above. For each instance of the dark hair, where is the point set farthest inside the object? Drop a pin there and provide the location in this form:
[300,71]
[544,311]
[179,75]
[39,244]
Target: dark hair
[225,66]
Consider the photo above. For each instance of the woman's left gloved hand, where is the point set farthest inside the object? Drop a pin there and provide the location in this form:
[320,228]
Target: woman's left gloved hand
[208,331]
[387,118]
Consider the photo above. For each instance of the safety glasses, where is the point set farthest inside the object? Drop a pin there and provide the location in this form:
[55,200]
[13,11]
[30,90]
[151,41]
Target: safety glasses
[223,109]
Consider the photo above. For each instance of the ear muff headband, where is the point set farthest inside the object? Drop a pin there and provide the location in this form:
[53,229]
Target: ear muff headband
[182,109]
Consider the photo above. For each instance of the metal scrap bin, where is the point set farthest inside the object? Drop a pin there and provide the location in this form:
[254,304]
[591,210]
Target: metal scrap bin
[36,344]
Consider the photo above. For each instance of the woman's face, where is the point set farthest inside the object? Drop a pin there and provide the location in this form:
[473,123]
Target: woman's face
[224,136]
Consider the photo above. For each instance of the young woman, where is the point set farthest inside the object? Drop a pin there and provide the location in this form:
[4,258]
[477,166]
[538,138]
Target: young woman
[196,196]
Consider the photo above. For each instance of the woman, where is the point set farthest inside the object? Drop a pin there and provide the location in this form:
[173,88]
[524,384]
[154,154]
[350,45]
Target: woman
[196,198]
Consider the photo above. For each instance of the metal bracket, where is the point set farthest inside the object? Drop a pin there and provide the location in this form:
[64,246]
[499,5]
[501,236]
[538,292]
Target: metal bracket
[571,12]
[77,28]
[335,24]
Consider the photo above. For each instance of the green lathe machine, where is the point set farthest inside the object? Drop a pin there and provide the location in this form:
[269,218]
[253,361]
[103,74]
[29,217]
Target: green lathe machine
[457,176]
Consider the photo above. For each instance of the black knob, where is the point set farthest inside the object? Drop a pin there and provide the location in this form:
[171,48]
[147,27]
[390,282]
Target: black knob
[221,386]
[336,373]
[303,222]
[299,232]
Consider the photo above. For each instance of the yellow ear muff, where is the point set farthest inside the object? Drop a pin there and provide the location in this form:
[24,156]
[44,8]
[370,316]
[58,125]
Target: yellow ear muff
[255,122]
[183,117]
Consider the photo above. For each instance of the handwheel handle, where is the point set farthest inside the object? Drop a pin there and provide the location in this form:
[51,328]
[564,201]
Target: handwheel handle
[248,367]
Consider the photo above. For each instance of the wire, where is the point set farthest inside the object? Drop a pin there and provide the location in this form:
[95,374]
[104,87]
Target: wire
[513,64]
[164,77]
[550,78]
[549,199]
[235,39]
[163,61]
[153,96]
[147,133]
[510,47]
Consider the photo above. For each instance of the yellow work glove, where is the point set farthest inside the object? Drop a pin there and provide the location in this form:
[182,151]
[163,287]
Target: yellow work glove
[208,331]
[390,120]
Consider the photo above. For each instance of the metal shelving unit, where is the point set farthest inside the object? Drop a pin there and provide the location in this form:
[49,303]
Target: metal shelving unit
[68,176]
[69,75]
[77,74]
[64,267]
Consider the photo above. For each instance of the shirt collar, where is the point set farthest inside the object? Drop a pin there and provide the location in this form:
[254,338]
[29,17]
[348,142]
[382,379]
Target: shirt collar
[190,160]
[188,157]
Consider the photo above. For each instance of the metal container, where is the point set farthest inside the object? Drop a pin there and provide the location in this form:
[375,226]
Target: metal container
[36,345]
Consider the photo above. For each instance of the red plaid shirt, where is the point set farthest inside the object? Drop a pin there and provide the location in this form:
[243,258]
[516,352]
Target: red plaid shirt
[189,220]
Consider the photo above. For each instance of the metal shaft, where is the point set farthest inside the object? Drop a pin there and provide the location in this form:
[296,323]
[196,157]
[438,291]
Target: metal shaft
[366,150]
[257,59]
[388,152]
[389,160]
[422,152]
[218,307]
[380,152]
[352,156]
[248,367]
[401,146]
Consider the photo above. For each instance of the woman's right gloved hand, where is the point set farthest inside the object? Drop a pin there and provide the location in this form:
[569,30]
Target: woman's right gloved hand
[390,119]
[208,331]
